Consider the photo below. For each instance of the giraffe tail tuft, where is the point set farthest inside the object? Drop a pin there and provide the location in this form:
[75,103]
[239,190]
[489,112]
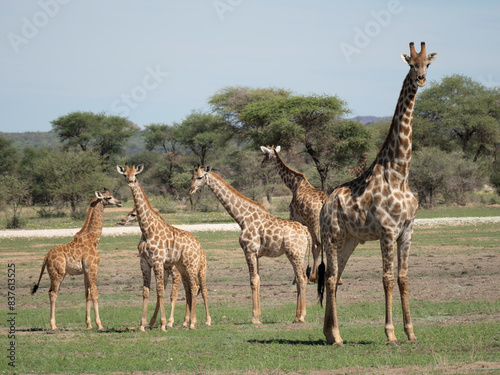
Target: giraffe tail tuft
[321,281]
[35,287]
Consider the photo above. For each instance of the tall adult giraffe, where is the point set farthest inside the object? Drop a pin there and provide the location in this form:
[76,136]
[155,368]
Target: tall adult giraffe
[168,270]
[163,245]
[378,205]
[306,203]
[262,234]
[77,257]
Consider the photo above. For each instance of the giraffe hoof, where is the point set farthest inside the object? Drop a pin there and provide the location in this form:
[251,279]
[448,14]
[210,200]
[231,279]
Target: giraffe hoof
[392,343]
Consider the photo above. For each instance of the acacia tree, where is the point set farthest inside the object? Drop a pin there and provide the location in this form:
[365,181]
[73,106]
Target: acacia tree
[104,134]
[461,111]
[201,132]
[315,122]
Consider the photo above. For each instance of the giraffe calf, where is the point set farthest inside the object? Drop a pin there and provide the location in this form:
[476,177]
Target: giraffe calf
[78,257]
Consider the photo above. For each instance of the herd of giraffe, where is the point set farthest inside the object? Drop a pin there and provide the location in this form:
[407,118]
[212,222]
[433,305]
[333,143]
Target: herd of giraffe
[376,205]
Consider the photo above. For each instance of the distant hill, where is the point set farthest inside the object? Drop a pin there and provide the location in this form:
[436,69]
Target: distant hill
[369,119]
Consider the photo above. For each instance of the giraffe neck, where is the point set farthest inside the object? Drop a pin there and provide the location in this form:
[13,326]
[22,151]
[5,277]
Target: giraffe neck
[291,178]
[237,205]
[396,152]
[93,222]
[145,214]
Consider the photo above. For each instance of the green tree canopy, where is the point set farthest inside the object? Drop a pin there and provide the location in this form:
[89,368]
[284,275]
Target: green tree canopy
[104,134]
[9,156]
[463,112]
[160,135]
[201,132]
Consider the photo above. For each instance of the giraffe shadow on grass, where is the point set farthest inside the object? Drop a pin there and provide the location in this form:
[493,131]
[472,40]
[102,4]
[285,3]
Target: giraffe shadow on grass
[307,342]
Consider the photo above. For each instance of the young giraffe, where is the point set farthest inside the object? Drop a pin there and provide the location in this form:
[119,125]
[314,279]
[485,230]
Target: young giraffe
[261,235]
[162,243]
[168,270]
[378,205]
[360,166]
[77,257]
[306,201]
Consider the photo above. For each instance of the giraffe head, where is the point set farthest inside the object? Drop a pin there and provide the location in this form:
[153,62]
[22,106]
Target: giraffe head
[107,198]
[130,173]
[419,62]
[199,178]
[130,218]
[268,154]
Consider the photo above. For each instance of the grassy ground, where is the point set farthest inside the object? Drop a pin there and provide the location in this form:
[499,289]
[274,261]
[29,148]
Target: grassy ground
[454,277]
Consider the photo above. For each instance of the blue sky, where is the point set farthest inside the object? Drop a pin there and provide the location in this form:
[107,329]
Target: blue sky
[154,61]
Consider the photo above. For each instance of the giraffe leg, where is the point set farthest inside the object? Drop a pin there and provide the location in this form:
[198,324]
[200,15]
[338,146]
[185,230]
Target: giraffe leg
[204,293]
[251,259]
[95,297]
[187,290]
[176,280]
[166,275]
[160,293]
[301,279]
[55,283]
[315,249]
[87,300]
[403,255]
[194,287]
[146,275]
[330,326]
[387,246]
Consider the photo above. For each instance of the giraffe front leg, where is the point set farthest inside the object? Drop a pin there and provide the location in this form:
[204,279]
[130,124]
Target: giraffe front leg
[160,293]
[403,257]
[146,275]
[252,263]
[193,286]
[95,298]
[301,278]
[187,290]
[387,246]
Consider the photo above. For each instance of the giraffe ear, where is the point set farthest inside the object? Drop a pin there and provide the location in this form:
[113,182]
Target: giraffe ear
[99,195]
[120,169]
[431,57]
[264,149]
[278,148]
[139,168]
[406,58]
[208,169]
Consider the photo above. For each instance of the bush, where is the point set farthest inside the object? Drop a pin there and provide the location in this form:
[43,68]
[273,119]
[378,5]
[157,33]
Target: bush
[47,213]
[15,222]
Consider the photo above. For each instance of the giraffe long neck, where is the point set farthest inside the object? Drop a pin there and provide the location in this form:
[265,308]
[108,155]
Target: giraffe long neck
[145,214]
[93,222]
[395,154]
[237,205]
[291,178]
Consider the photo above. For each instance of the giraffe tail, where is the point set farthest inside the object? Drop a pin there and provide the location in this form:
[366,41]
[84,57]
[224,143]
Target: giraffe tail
[321,277]
[35,287]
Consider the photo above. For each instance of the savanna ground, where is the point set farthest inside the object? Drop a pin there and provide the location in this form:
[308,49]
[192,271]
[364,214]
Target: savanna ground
[454,299]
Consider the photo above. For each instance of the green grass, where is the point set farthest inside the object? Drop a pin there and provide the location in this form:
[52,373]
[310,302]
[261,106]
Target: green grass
[450,331]
[458,211]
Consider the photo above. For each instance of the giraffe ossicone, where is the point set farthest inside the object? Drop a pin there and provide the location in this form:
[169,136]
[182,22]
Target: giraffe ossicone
[378,205]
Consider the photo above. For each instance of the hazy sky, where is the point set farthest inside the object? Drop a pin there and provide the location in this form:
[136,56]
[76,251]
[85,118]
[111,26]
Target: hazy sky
[154,61]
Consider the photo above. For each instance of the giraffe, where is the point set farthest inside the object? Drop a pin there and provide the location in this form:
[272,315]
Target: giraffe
[306,201]
[78,257]
[378,205]
[360,166]
[162,246]
[261,235]
[168,270]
